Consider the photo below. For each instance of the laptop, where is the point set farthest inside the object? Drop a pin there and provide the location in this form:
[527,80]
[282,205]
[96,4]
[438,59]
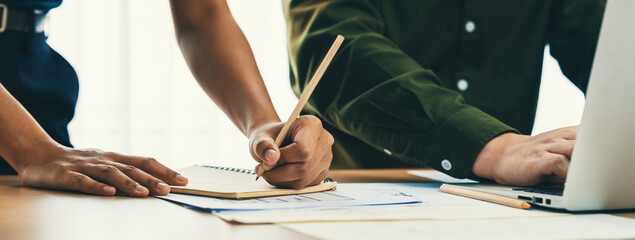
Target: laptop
[602,171]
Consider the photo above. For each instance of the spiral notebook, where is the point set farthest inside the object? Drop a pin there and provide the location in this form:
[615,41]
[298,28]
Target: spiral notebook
[236,183]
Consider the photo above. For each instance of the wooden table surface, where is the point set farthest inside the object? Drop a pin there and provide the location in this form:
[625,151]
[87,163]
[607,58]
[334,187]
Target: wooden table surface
[28,213]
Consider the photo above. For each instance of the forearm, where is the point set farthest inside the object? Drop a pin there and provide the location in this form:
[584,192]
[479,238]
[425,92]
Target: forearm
[42,162]
[221,60]
[20,134]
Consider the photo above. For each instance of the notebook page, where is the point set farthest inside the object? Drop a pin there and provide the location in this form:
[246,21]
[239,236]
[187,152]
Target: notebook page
[223,180]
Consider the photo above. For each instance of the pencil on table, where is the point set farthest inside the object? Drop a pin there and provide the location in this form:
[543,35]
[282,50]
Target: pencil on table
[488,197]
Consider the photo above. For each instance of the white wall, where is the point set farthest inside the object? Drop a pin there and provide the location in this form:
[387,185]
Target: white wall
[138,97]
[560,102]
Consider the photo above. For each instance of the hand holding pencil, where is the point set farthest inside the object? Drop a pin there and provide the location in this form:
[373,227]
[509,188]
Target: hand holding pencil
[307,157]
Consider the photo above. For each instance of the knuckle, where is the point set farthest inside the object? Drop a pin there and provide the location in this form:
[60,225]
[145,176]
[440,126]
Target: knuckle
[148,162]
[129,183]
[559,140]
[79,180]
[558,160]
[309,120]
[90,151]
[76,161]
[170,172]
[62,168]
[128,169]
[538,152]
[329,138]
[549,140]
[314,121]
[151,182]
[303,153]
[107,169]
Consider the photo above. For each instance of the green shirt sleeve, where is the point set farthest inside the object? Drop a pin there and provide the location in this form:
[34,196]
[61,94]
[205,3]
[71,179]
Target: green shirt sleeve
[378,94]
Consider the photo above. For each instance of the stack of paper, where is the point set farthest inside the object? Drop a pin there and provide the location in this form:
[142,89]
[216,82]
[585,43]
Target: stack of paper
[590,226]
[434,205]
[345,196]
[381,213]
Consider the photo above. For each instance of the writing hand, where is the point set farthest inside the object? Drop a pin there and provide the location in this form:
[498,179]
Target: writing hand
[97,172]
[523,160]
[303,162]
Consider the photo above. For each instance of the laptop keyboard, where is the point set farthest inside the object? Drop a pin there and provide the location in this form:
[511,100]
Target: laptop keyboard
[549,190]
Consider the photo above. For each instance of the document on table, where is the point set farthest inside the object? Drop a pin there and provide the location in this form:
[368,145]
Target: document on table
[381,213]
[587,226]
[434,205]
[428,193]
[345,196]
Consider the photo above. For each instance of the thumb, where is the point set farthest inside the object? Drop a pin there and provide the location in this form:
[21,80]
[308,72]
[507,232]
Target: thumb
[267,152]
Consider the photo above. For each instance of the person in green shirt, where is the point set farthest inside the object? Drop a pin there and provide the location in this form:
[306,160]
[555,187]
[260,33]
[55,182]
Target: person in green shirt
[451,85]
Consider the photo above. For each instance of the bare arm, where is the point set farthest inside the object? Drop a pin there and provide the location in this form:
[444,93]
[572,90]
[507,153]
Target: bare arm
[221,60]
[42,162]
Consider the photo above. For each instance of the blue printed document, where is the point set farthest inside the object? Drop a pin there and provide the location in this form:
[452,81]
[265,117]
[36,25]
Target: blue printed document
[346,195]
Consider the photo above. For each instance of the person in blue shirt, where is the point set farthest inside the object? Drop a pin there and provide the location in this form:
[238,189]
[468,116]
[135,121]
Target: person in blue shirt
[39,89]
[38,93]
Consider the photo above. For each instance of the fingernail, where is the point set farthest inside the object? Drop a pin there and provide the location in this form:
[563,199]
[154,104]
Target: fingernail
[161,186]
[180,178]
[109,189]
[140,189]
[269,154]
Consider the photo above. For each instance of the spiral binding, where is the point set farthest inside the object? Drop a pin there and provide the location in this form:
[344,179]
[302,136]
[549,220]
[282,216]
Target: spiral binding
[247,171]
[231,169]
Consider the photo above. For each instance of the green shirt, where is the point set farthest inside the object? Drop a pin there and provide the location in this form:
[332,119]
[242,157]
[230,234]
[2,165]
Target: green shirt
[429,83]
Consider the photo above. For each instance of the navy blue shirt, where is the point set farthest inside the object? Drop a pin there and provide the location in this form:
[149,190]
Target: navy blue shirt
[32,4]
[38,77]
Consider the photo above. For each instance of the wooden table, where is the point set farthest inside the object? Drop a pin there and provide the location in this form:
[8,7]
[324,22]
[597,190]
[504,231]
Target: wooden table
[28,213]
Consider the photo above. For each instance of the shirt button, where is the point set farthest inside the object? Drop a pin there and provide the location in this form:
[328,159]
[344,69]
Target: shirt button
[462,85]
[470,26]
[446,164]
[387,151]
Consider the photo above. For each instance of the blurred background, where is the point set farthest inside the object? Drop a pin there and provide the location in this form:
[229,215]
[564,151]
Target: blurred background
[138,97]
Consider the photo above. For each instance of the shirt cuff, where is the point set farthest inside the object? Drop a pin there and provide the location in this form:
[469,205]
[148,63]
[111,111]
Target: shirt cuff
[460,139]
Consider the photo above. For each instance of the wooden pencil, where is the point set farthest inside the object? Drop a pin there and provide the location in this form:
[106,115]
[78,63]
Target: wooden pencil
[306,94]
[488,197]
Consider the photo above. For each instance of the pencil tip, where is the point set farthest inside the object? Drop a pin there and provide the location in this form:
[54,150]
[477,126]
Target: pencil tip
[257,178]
